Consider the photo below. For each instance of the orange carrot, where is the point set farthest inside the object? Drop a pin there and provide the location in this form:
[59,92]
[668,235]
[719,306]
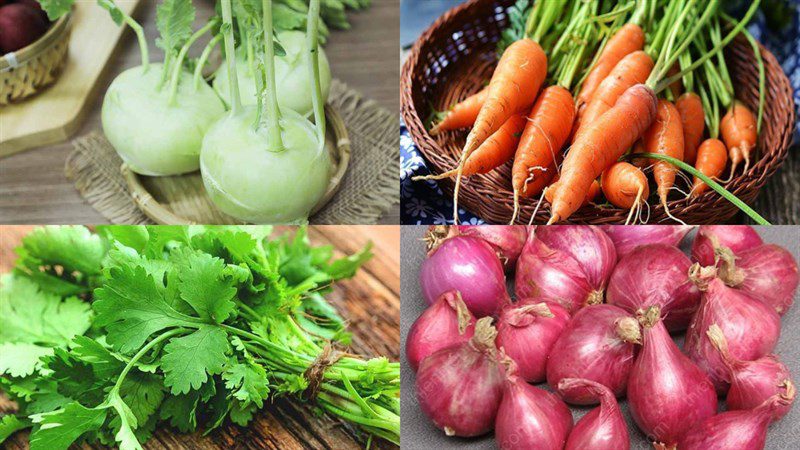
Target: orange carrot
[633,69]
[626,40]
[599,146]
[591,194]
[693,120]
[711,159]
[515,83]
[547,129]
[677,86]
[625,186]
[463,114]
[665,137]
[738,130]
[641,163]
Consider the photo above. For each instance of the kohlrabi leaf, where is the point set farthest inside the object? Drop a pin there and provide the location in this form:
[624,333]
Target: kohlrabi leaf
[174,21]
[56,8]
[57,430]
[113,10]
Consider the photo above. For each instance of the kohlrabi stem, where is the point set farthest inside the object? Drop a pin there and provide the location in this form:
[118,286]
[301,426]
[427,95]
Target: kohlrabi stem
[711,183]
[198,71]
[273,112]
[312,40]
[230,56]
[176,71]
[111,6]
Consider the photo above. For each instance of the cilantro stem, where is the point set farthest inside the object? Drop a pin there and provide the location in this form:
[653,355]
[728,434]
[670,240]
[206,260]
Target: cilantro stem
[164,336]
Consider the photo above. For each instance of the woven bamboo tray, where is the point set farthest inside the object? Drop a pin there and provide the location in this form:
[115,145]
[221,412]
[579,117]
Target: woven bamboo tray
[30,69]
[456,56]
[182,199]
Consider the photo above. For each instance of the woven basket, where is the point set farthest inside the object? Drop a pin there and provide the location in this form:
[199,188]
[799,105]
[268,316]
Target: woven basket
[455,57]
[32,68]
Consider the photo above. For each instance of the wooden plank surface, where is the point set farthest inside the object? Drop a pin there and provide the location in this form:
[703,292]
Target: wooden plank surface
[370,301]
[33,188]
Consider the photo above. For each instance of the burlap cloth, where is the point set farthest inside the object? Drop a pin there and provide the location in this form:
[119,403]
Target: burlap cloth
[370,186]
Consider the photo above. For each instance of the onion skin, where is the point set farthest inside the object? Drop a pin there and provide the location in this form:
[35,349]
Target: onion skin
[740,430]
[445,323]
[750,327]
[531,418]
[627,237]
[768,272]
[470,266]
[507,240]
[655,275]
[527,331]
[667,393]
[754,382]
[602,428]
[566,264]
[710,237]
[460,387]
[597,345]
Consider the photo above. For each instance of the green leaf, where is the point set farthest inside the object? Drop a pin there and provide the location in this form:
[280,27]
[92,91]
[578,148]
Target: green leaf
[188,360]
[57,430]
[133,236]
[203,286]
[127,423]
[174,21]
[113,10]
[56,8]
[248,381]
[10,424]
[346,267]
[21,359]
[75,378]
[105,364]
[143,393]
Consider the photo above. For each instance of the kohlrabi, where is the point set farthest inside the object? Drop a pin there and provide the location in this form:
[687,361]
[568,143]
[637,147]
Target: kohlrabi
[264,163]
[156,115]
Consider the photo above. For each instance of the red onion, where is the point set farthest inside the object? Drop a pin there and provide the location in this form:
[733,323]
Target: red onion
[526,332]
[750,326]
[602,428]
[460,387]
[446,322]
[710,237]
[753,382]
[628,237]
[667,393]
[507,240]
[597,345]
[768,272]
[655,275]
[468,265]
[740,430]
[566,264]
[530,418]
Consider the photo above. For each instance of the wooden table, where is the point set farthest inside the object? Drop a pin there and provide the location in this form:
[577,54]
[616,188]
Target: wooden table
[33,188]
[371,301]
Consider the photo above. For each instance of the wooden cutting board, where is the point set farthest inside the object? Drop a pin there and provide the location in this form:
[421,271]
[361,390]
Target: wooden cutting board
[55,114]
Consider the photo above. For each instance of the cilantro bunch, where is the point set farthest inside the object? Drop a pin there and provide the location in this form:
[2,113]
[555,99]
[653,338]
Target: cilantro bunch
[105,336]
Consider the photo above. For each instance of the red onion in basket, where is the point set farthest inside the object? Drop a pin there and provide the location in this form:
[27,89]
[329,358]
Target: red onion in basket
[468,265]
[628,237]
[750,326]
[460,387]
[598,345]
[566,264]
[768,272]
[530,418]
[667,393]
[655,275]
[753,382]
[710,237]
[526,331]
[507,240]
[740,430]
[602,428]
[446,322]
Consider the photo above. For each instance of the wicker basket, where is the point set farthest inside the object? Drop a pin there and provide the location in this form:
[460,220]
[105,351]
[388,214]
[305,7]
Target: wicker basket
[455,57]
[25,72]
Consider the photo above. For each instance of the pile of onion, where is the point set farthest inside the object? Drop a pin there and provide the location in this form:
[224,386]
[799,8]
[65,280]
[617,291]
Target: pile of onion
[565,264]
[627,237]
[602,428]
[445,323]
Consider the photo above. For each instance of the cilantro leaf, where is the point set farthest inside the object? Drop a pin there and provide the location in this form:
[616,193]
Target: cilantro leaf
[203,287]
[188,360]
[248,381]
[127,423]
[59,429]
[21,359]
[105,364]
[10,424]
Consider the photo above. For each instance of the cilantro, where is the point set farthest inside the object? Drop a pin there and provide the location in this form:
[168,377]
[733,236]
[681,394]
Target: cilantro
[187,360]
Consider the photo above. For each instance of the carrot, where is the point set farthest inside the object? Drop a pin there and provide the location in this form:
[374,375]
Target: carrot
[625,186]
[690,107]
[738,129]
[677,86]
[463,114]
[547,129]
[641,163]
[515,83]
[665,137]
[711,159]
[633,69]
[594,191]
[626,40]
[601,143]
